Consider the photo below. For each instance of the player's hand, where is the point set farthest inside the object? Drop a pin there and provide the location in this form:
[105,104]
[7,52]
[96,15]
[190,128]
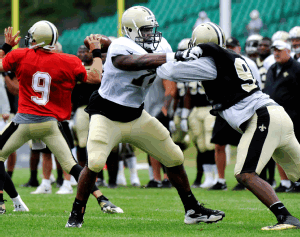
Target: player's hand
[189,54]
[184,125]
[172,126]
[10,39]
[5,117]
[94,41]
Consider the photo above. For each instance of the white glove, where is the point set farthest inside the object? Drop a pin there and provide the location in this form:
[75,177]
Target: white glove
[184,125]
[189,54]
[172,126]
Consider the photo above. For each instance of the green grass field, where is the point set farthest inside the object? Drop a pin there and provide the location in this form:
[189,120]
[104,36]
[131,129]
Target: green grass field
[147,212]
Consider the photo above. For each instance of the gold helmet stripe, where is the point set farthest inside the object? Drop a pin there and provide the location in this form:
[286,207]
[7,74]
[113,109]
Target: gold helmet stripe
[148,10]
[53,32]
[219,33]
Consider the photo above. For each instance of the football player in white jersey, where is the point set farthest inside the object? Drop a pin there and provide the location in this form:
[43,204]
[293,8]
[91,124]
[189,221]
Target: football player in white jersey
[117,115]
[236,97]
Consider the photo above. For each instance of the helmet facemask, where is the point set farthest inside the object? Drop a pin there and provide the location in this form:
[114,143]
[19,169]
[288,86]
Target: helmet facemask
[148,37]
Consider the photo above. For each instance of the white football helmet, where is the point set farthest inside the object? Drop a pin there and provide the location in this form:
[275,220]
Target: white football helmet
[252,44]
[208,32]
[295,34]
[280,35]
[44,34]
[183,44]
[140,25]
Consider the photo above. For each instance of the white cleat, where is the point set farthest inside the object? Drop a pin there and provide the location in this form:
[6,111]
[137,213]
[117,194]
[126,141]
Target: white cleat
[209,182]
[73,181]
[52,179]
[20,205]
[121,180]
[43,189]
[109,207]
[65,189]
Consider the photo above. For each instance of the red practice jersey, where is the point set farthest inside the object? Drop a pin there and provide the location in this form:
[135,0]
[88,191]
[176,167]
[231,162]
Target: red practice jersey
[46,81]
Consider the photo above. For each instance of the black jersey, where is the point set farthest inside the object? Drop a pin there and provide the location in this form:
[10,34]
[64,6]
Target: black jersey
[234,80]
[198,96]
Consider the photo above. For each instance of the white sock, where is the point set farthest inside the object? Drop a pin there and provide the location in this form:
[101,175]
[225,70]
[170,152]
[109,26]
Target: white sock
[131,162]
[207,168]
[150,170]
[46,182]
[286,183]
[222,181]
[121,169]
[16,199]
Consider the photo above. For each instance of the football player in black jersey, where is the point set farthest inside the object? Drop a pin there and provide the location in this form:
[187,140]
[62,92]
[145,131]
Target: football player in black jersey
[235,95]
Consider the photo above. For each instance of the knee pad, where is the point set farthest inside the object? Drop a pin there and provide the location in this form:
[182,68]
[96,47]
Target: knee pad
[97,155]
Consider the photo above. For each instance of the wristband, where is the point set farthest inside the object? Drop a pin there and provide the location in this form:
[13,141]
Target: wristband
[170,57]
[185,113]
[6,48]
[96,53]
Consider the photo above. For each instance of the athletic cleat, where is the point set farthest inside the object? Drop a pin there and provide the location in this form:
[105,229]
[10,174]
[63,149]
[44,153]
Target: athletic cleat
[282,189]
[65,189]
[202,214]
[219,186]
[20,205]
[107,206]
[101,183]
[75,219]
[59,182]
[30,184]
[52,179]
[43,189]
[284,222]
[196,185]
[154,184]
[166,183]
[2,207]
[239,187]
[295,188]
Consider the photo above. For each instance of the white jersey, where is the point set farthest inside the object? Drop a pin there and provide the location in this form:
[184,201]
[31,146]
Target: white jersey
[128,88]
[205,69]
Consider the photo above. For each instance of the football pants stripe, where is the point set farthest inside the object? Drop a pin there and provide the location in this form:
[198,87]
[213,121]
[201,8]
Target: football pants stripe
[258,141]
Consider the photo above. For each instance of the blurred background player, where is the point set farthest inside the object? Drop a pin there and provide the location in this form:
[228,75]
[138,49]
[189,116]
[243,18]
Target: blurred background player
[80,98]
[264,51]
[255,23]
[251,46]
[294,39]
[159,104]
[202,18]
[127,158]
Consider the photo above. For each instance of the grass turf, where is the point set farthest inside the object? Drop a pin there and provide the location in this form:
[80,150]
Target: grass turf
[147,212]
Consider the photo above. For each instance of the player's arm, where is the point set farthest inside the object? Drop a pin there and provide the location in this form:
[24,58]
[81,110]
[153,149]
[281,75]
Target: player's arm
[153,60]
[12,84]
[10,42]
[170,94]
[95,73]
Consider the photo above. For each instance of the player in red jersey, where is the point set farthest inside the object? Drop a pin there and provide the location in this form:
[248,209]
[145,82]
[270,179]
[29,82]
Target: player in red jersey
[46,80]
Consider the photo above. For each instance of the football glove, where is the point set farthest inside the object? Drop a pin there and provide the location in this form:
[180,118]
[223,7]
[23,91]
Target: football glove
[189,54]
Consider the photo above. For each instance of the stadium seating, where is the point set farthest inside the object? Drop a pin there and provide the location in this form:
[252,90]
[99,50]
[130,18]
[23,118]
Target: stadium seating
[177,17]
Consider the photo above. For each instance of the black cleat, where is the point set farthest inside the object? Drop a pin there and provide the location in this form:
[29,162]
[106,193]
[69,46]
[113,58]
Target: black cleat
[219,186]
[75,219]
[166,183]
[281,189]
[31,183]
[2,207]
[202,214]
[295,188]
[284,222]
[154,184]
[239,187]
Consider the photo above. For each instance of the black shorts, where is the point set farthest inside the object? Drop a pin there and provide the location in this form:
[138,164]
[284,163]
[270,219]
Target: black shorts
[223,134]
